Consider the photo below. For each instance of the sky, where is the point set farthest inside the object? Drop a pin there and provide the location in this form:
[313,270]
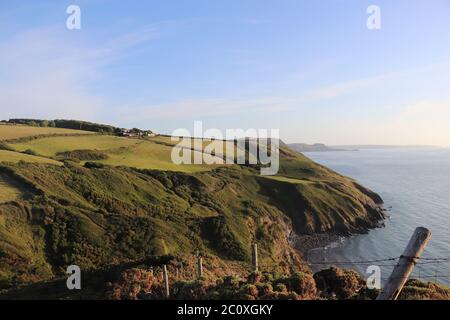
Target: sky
[309,68]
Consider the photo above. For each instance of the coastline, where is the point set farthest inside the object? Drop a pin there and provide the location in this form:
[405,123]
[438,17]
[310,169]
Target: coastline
[305,243]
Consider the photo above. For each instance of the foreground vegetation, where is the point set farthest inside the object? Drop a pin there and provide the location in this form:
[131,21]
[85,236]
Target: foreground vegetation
[145,283]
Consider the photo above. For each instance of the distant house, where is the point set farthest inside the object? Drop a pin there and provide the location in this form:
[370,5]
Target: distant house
[126,133]
[135,133]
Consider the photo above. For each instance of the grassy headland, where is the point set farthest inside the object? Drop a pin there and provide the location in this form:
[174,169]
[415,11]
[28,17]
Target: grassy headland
[101,202]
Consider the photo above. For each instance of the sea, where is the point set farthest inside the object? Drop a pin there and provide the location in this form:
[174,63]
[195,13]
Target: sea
[414,183]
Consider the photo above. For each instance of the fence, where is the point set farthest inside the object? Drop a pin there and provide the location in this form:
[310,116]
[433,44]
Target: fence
[403,266]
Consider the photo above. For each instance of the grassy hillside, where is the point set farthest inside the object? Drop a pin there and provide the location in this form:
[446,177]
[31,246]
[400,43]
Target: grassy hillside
[9,191]
[106,202]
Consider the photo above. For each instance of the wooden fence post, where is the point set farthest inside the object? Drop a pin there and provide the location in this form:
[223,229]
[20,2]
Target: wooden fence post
[255,258]
[199,267]
[166,281]
[405,265]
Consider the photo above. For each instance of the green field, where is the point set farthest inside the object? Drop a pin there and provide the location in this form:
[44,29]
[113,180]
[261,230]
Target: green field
[51,146]
[145,154]
[149,153]
[10,156]
[8,132]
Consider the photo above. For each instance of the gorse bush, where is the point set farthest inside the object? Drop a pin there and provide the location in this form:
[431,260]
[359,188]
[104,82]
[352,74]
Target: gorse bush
[82,155]
[301,287]
[339,282]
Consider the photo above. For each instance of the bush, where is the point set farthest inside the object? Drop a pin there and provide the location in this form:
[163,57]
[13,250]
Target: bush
[82,155]
[94,165]
[418,290]
[341,283]
[132,284]
[264,289]
[30,152]
[254,277]
[190,290]
[303,284]
[249,292]
[281,288]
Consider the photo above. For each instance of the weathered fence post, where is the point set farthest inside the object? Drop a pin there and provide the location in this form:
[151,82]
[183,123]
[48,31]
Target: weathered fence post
[166,281]
[405,265]
[199,267]
[255,257]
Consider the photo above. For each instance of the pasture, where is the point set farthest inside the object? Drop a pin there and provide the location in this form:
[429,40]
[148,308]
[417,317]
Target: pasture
[10,156]
[138,153]
[8,132]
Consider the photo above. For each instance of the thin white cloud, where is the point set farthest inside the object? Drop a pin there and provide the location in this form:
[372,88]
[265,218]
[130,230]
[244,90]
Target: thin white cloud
[46,73]
[274,104]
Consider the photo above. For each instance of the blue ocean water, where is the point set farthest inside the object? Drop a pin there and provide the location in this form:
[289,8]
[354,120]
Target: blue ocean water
[415,186]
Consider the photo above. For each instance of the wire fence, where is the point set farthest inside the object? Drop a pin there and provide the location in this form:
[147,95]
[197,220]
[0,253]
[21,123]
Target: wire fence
[419,274]
[421,271]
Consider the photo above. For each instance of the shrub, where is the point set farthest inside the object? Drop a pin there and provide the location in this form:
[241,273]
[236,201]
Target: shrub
[82,155]
[303,284]
[264,289]
[132,284]
[339,282]
[280,287]
[249,292]
[190,290]
[94,165]
[30,152]
[418,290]
[254,277]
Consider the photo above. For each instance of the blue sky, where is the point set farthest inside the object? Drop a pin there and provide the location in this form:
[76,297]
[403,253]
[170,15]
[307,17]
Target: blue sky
[310,68]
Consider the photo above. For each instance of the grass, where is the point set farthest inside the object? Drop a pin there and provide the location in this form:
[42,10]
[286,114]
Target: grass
[286,179]
[8,132]
[148,155]
[11,156]
[51,146]
[143,154]
[9,191]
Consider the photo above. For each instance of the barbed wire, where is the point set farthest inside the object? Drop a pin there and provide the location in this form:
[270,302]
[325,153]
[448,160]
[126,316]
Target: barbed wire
[427,261]
[435,259]
[418,274]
